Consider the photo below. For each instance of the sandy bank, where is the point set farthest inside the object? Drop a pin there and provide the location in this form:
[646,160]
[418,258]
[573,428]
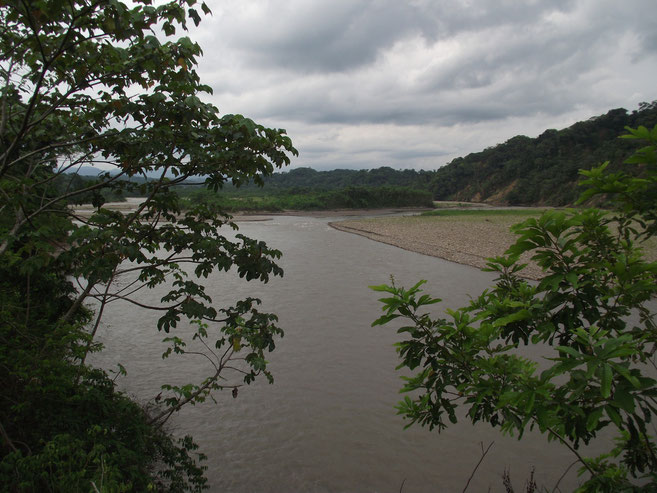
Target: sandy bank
[466,240]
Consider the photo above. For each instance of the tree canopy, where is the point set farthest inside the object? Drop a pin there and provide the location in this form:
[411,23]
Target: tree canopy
[592,313]
[106,84]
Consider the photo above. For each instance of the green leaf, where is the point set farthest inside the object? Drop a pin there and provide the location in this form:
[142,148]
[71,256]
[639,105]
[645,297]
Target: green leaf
[606,380]
[626,374]
[571,277]
[624,400]
[383,287]
[384,319]
[570,351]
[593,418]
[514,317]
[614,416]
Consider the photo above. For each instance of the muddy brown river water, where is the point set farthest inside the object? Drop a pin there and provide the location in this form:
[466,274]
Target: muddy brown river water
[328,423]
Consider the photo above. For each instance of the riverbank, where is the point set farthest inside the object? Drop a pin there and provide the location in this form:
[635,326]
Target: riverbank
[131,204]
[337,212]
[464,239]
[468,240]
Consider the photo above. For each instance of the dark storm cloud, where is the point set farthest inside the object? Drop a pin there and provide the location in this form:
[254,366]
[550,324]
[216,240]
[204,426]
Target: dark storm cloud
[329,37]
[342,35]
[648,41]
[404,80]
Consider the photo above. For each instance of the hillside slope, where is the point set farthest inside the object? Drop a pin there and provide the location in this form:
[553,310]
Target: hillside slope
[543,170]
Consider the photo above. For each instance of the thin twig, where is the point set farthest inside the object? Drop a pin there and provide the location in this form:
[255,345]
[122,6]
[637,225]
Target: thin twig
[563,440]
[483,455]
[92,335]
[112,297]
[162,418]
[199,353]
[556,486]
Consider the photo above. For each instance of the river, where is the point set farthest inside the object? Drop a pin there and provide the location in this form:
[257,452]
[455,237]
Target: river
[328,423]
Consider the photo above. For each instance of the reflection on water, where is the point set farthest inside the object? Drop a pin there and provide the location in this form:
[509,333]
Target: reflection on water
[328,423]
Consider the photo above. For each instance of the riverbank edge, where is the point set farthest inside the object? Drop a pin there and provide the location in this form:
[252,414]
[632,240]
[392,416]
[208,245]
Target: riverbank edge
[336,212]
[127,207]
[455,252]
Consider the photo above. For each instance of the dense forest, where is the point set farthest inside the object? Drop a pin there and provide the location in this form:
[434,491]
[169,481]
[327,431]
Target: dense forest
[522,171]
[543,170]
[304,179]
[309,189]
[350,197]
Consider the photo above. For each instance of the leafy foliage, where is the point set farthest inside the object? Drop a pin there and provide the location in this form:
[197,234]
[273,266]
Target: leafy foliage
[590,314]
[64,425]
[108,84]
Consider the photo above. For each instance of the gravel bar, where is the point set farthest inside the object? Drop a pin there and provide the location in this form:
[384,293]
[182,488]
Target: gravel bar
[465,240]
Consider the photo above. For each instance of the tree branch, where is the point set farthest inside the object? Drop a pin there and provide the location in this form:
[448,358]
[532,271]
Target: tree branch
[572,449]
[483,455]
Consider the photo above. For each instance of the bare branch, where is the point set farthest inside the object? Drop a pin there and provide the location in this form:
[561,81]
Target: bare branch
[572,449]
[556,486]
[199,353]
[6,438]
[76,304]
[113,297]
[166,414]
[483,455]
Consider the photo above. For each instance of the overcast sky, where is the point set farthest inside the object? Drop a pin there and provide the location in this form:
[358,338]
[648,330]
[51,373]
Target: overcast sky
[414,84]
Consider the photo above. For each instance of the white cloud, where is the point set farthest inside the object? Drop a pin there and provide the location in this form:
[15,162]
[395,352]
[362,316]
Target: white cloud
[370,83]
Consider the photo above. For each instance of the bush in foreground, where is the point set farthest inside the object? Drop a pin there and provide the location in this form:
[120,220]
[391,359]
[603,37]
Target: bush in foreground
[591,308]
[89,83]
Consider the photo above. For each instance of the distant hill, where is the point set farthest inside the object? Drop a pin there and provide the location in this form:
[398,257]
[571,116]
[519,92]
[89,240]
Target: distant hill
[306,179]
[522,171]
[543,170]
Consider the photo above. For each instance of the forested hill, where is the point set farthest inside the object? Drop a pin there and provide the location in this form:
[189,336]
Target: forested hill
[542,170]
[310,179]
[522,171]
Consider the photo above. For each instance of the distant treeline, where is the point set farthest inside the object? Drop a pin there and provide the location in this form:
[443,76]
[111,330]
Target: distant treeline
[350,197]
[301,180]
[72,182]
[522,171]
